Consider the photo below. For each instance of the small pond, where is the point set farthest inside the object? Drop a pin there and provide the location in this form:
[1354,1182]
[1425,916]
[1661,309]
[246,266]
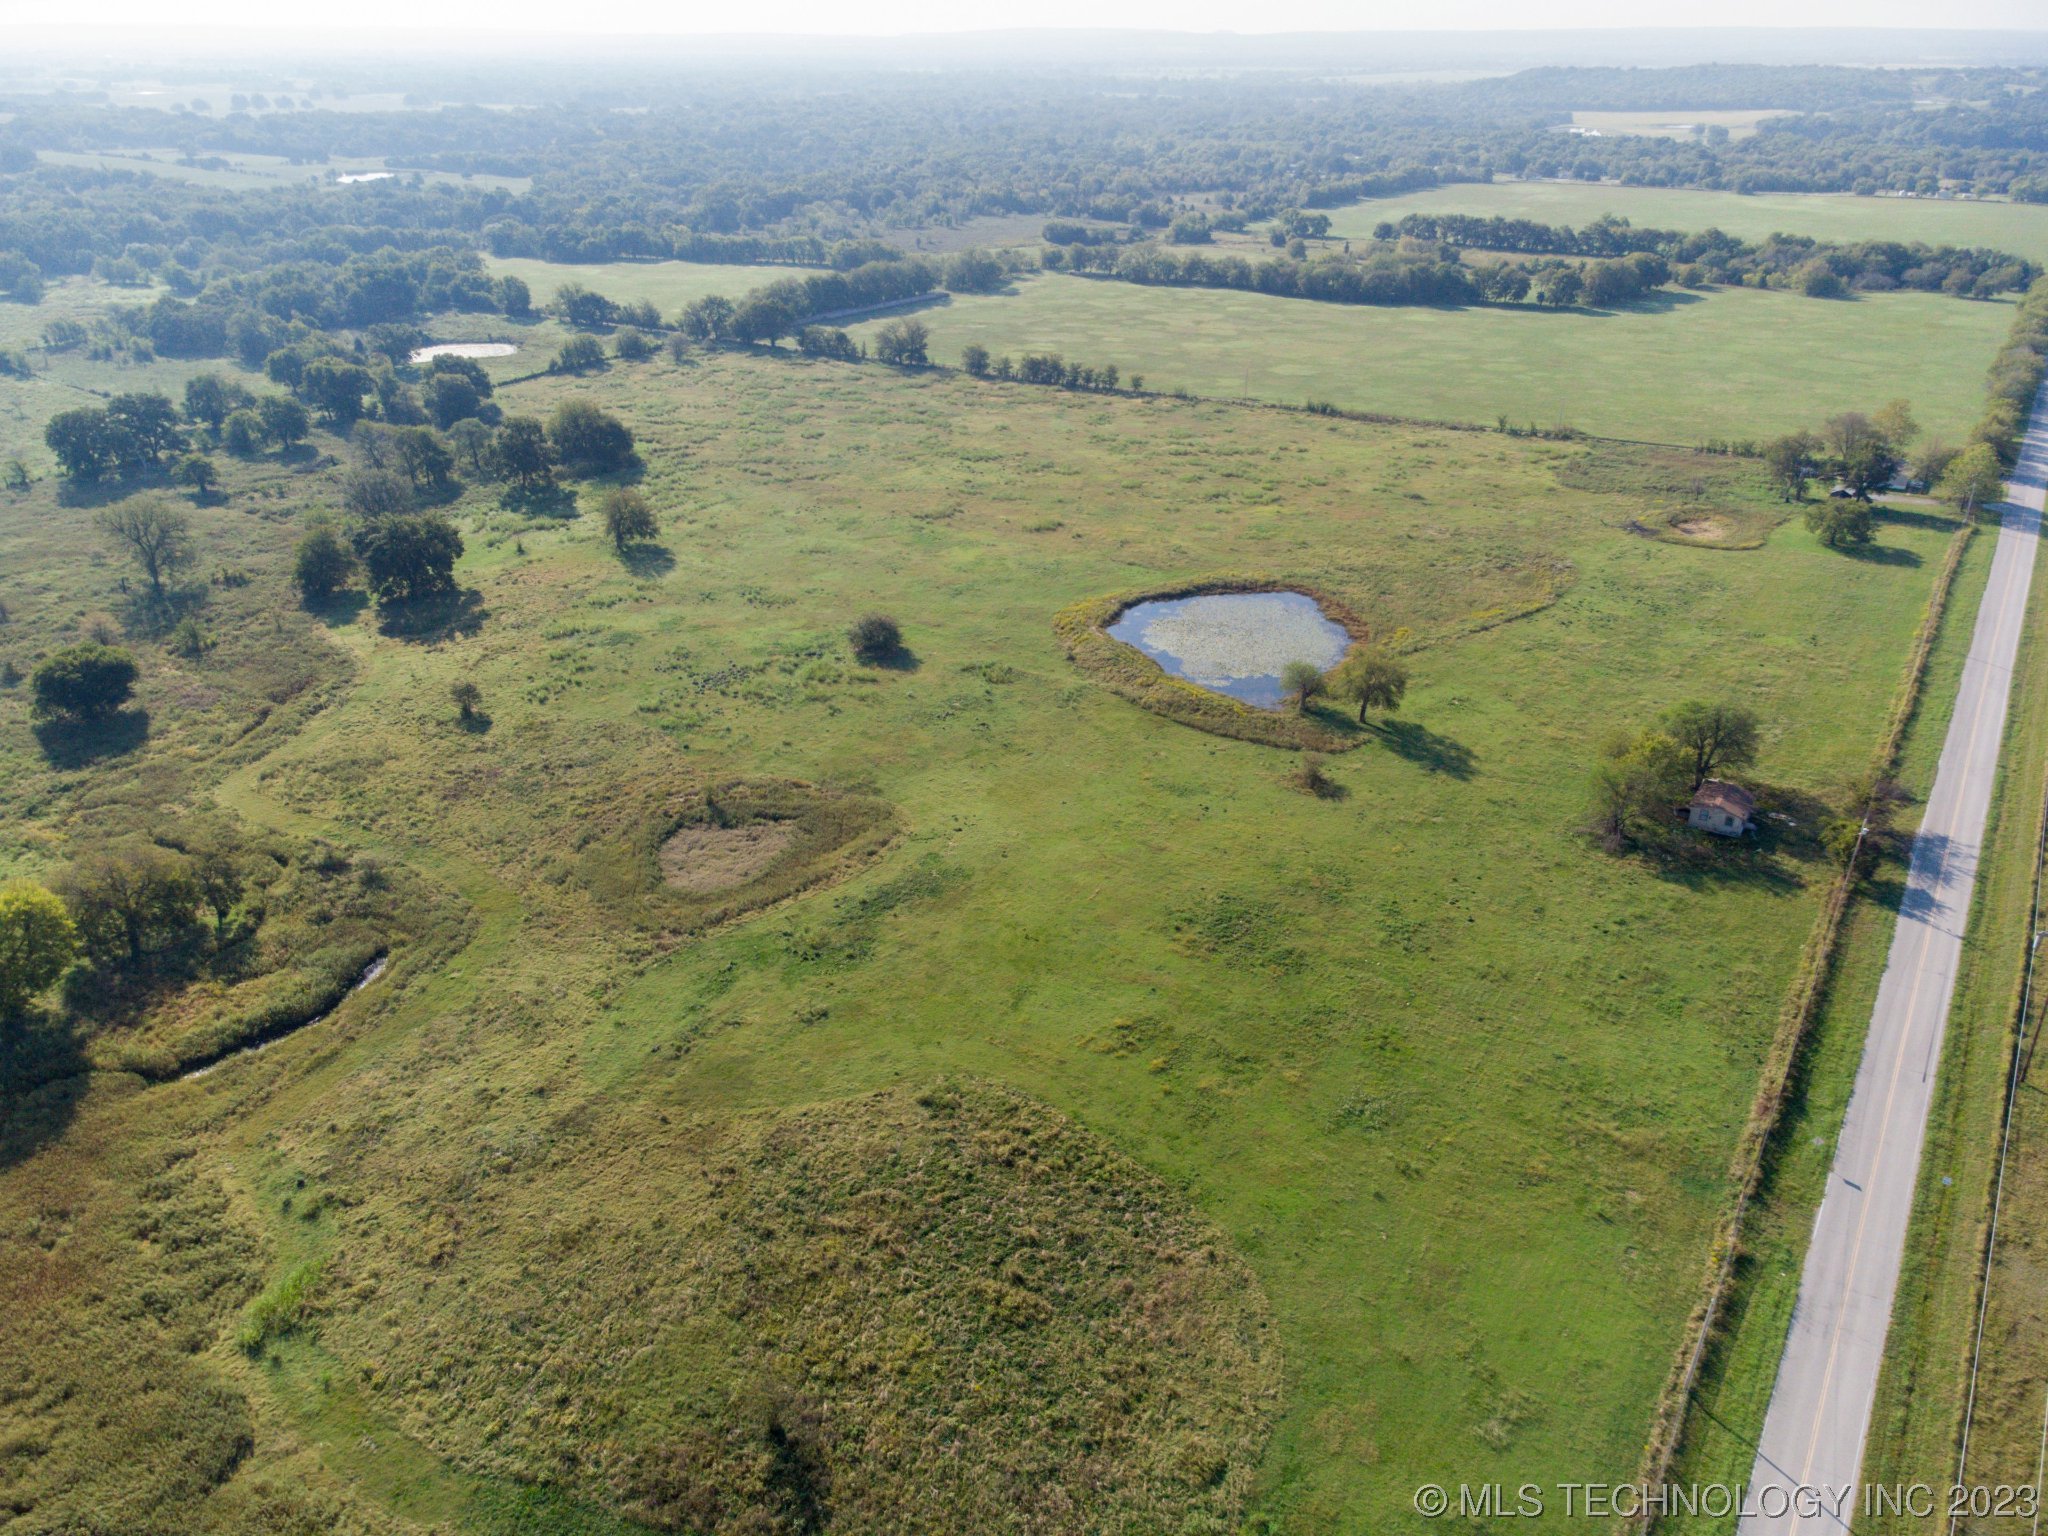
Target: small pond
[1234,643]
[461,349]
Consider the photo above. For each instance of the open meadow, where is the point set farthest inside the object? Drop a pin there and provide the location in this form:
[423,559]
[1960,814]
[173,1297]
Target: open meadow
[1087,1107]
[245,173]
[1681,368]
[1673,125]
[2021,228]
[667,285]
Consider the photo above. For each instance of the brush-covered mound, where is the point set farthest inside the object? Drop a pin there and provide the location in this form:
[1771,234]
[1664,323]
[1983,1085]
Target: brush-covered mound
[948,1310]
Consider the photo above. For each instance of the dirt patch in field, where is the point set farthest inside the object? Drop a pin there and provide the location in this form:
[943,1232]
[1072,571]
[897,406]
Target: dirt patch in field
[684,860]
[704,860]
[1700,528]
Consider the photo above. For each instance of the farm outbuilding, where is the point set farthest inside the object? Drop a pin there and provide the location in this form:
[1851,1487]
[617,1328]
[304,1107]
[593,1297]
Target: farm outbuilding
[1726,810]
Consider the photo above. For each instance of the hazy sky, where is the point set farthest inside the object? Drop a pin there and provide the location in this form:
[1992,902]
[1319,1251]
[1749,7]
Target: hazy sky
[893,16]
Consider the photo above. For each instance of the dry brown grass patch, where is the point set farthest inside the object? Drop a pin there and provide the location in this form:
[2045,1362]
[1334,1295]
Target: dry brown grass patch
[710,854]
[703,860]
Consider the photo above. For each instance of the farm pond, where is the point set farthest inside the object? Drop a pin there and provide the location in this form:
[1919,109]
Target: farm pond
[1234,643]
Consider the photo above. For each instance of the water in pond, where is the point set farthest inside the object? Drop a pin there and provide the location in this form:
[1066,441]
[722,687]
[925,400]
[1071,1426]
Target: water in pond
[350,178]
[1235,643]
[461,349]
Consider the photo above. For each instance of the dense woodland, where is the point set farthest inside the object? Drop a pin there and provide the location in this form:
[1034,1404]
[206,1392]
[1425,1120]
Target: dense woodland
[742,166]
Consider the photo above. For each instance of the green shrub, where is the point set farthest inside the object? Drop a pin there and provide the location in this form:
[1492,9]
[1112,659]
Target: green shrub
[875,637]
[279,1310]
[83,682]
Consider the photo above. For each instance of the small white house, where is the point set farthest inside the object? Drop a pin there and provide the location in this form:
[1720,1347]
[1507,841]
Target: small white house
[1726,810]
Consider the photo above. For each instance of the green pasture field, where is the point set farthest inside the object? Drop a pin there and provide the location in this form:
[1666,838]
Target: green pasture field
[1726,363]
[1423,1104]
[64,381]
[245,172]
[1741,124]
[668,284]
[2021,228]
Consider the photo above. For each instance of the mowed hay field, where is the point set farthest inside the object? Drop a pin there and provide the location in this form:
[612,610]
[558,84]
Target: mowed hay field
[1728,363]
[1333,1144]
[668,285]
[245,173]
[1675,125]
[2021,228]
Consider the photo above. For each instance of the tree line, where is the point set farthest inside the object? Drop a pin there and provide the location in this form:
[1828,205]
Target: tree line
[1817,267]
[1396,272]
[714,167]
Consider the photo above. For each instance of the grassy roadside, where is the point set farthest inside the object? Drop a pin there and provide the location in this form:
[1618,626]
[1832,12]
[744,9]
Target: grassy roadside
[1920,1396]
[1734,1387]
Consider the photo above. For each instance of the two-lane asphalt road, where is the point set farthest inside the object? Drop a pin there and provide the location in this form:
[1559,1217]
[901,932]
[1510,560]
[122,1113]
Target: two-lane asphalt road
[1808,1464]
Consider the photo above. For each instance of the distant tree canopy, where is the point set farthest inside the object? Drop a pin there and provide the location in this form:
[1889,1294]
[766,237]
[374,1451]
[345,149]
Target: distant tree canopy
[1301,681]
[588,439]
[82,682]
[1841,524]
[1816,267]
[903,343]
[522,453]
[828,341]
[1792,460]
[131,902]
[1374,677]
[1638,786]
[449,398]
[707,319]
[627,517]
[1393,272]
[284,420]
[579,354]
[209,398]
[407,556]
[323,564]
[37,943]
[1714,737]
[875,637]
[705,166]
[1973,478]
[373,493]
[152,533]
[335,389]
[129,436]
[197,473]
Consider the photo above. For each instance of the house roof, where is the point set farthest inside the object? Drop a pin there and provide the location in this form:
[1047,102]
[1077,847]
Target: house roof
[1732,798]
